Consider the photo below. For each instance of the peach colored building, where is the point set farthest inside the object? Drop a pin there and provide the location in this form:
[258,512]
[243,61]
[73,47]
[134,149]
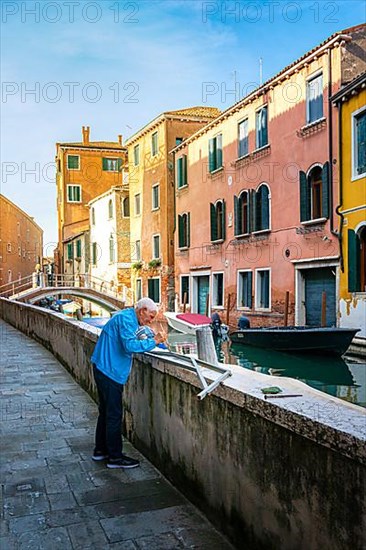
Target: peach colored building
[256,195]
[85,170]
[151,181]
[21,243]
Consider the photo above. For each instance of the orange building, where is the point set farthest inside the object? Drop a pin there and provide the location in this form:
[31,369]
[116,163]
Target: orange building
[21,243]
[85,170]
[256,195]
[151,179]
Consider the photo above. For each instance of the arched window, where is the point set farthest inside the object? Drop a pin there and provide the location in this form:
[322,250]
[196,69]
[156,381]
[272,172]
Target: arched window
[110,209]
[93,216]
[314,193]
[126,207]
[261,210]
[217,211]
[242,223]
[111,249]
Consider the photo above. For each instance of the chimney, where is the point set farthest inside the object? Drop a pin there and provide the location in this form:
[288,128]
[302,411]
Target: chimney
[86,132]
[120,140]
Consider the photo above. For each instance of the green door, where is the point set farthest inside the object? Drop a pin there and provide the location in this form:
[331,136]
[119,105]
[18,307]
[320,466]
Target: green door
[203,287]
[318,281]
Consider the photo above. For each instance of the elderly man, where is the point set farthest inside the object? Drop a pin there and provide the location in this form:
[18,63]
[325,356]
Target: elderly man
[126,333]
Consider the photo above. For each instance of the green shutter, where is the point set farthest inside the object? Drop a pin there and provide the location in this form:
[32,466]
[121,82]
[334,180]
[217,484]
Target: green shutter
[249,289]
[188,229]
[184,170]
[213,222]
[354,283]
[236,215]
[211,155]
[325,190]
[78,248]
[219,151]
[179,172]
[253,216]
[180,231]
[105,163]
[77,193]
[249,226]
[304,198]
[223,220]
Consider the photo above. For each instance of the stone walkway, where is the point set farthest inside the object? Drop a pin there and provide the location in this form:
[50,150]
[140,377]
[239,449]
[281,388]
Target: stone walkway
[53,495]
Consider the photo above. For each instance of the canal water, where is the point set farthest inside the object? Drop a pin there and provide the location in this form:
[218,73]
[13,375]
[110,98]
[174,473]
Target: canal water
[341,377]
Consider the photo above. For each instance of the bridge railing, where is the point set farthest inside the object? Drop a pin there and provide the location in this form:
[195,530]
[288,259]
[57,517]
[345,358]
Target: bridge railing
[19,285]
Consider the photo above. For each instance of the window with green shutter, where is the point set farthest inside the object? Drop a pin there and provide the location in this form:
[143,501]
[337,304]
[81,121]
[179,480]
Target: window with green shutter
[304,198]
[314,193]
[78,248]
[153,287]
[263,289]
[70,251]
[262,208]
[354,279]
[217,289]
[314,98]
[243,147]
[182,171]
[218,221]
[73,162]
[359,154]
[74,193]
[184,288]
[215,153]
[154,144]
[136,155]
[242,217]
[183,230]
[111,164]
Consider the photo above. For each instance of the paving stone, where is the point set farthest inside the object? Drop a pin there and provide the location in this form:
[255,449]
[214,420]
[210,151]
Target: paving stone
[36,522]
[125,545]
[24,486]
[168,541]
[51,539]
[56,484]
[62,501]
[88,534]
[8,543]
[120,491]
[62,518]
[26,504]
[80,482]
[202,538]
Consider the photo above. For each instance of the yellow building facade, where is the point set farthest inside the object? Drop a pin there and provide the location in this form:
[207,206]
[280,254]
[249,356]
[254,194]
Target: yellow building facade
[351,103]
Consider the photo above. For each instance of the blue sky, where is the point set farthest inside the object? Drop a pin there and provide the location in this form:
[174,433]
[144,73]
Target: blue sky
[115,65]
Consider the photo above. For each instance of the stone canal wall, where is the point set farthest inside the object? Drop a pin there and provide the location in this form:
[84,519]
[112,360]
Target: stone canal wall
[273,474]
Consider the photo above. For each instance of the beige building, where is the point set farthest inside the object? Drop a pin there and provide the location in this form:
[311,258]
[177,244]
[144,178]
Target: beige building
[21,243]
[151,182]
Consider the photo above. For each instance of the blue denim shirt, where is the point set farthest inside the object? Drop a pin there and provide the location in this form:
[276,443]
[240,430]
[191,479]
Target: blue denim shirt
[119,339]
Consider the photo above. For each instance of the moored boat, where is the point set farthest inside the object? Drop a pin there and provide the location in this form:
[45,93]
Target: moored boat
[187,322]
[316,340]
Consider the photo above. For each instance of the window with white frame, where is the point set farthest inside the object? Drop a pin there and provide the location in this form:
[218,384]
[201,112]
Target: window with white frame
[184,289]
[181,171]
[244,297]
[215,153]
[155,199]
[154,144]
[217,289]
[136,155]
[137,204]
[156,246]
[359,143]
[138,289]
[261,127]
[126,207]
[218,220]
[153,289]
[243,147]
[73,162]
[314,98]
[262,289]
[110,209]
[184,230]
[111,249]
[111,164]
[74,193]
[137,255]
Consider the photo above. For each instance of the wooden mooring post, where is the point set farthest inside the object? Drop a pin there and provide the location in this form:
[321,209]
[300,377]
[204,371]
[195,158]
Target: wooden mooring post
[324,309]
[184,302]
[228,309]
[287,297]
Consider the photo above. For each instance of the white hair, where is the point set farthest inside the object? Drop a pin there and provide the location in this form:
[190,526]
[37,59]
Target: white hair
[147,303]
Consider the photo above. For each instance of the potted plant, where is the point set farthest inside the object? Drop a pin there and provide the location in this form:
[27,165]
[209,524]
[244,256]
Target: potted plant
[154,263]
[137,265]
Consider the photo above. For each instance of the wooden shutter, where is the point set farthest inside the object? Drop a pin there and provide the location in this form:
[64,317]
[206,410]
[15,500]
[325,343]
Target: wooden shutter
[211,155]
[223,221]
[265,207]
[249,228]
[188,229]
[236,215]
[180,231]
[213,222]
[219,151]
[179,172]
[361,144]
[354,283]
[264,131]
[325,190]
[184,170]
[304,198]
[253,213]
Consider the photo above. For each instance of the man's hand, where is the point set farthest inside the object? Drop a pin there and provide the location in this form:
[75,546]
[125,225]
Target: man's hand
[159,338]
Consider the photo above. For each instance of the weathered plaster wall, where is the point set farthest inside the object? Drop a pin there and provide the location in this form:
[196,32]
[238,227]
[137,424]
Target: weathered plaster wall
[287,475]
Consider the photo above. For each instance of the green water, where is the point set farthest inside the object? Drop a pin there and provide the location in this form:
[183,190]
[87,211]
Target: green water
[342,377]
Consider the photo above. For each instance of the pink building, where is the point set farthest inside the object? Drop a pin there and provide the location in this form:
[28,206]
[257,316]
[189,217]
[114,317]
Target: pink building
[256,195]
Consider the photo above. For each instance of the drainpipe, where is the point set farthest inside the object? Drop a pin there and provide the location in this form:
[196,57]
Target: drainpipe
[339,206]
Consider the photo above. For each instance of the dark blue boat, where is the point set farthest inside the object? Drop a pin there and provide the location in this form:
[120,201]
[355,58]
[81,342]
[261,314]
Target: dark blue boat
[316,340]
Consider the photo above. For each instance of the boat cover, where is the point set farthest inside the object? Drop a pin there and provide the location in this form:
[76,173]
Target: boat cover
[194,318]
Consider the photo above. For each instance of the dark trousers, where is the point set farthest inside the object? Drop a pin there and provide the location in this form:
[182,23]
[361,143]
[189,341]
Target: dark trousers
[108,438]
